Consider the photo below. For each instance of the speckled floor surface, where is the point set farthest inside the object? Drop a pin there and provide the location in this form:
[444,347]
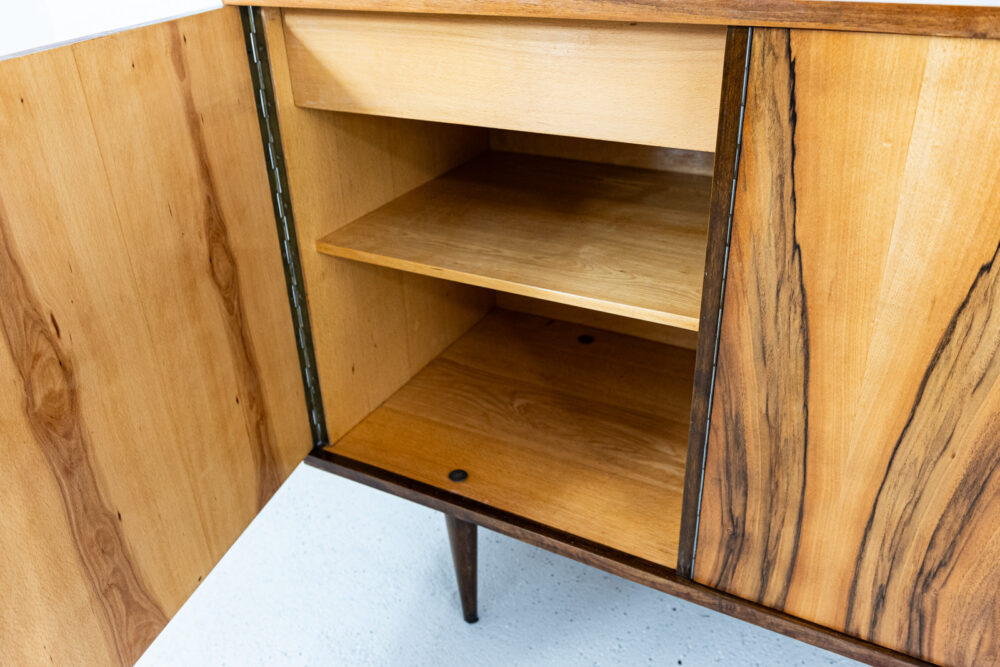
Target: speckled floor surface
[335,573]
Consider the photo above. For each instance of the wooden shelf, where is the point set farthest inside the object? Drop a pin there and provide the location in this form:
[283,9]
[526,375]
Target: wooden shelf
[613,239]
[588,438]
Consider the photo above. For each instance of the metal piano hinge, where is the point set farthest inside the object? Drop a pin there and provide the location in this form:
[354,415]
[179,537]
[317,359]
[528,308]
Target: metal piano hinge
[260,73]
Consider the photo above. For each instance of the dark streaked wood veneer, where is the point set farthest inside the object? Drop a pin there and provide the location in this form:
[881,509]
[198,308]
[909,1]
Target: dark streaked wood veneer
[852,467]
[730,120]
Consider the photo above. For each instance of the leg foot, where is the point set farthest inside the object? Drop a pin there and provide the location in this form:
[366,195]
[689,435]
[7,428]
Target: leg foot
[462,535]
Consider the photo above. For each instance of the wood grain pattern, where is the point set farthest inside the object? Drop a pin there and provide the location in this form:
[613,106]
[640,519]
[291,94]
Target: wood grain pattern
[962,377]
[720,210]
[926,19]
[867,396]
[619,240]
[513,402]
[654,84]
[373,328]
[761,513]
[151,395]
[225,272]
[130,616]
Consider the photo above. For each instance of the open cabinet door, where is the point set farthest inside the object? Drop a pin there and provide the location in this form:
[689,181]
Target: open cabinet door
[151,395]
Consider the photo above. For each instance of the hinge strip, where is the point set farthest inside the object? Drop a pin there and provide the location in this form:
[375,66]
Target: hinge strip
[260,73]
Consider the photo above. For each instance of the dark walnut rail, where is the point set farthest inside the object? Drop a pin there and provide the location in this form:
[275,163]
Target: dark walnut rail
[944,21]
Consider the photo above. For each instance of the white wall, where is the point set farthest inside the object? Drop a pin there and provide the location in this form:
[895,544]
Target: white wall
[28,25]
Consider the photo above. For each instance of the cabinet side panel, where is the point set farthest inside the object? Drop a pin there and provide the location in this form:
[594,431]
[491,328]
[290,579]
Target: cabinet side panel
[373,327]
[852,468]
[151,395]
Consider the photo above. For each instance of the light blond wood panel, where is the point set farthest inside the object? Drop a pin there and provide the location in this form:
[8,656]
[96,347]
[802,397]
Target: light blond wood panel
[625,325]
[852,463]
[206,180]
[52,607]
[586,438]
[651,84]
[607,152]
[151,398]
[373,328]
[619,240]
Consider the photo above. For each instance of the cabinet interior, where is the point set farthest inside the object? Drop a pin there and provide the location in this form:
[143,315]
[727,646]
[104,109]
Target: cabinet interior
[566,399]
[519,306]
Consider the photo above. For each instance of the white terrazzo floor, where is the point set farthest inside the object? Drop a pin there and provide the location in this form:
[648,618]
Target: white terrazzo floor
[335,573]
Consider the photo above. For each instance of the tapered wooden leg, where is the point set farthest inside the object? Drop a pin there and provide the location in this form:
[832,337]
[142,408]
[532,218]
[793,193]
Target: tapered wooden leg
[462,535]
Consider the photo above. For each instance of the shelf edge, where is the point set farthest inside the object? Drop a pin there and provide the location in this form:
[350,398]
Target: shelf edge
[686,322]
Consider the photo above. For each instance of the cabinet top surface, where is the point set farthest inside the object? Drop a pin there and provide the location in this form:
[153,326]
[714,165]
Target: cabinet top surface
[923,19]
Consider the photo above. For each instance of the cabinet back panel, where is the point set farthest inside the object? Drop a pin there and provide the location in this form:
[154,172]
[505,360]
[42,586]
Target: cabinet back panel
[151,395]
[655,84]
[853,470]
[607,152]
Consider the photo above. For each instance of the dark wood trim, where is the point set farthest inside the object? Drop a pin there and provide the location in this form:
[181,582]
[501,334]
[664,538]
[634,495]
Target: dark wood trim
[610,560]
[942,20]
[462,536]
[726,161]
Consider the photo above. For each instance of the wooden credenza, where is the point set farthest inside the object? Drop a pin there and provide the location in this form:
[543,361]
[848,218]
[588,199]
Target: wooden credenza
[699,294]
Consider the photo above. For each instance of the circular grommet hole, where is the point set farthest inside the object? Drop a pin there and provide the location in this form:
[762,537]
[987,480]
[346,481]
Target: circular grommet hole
[458,475]
[586,339]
